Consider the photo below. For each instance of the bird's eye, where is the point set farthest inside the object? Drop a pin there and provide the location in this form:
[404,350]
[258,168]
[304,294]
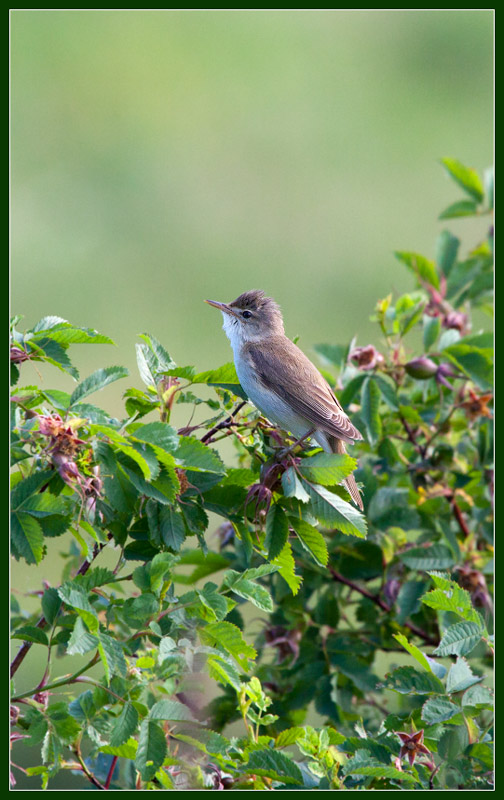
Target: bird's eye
[246,314]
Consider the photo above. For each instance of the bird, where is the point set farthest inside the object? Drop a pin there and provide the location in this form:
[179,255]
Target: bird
[281,381]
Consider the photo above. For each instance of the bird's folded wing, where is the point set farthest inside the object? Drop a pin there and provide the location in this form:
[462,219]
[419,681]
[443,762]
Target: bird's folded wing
[284,369]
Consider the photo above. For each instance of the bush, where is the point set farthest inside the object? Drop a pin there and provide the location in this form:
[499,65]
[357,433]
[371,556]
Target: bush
[320,698]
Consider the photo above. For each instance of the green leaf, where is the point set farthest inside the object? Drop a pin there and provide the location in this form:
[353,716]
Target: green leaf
[424,269]
[42,505]
[289,736]
[170,529]
[29,486]
[277,531]
[29,633]
[459,639]
[334,512]
[460,677]
[124,726]
[292,486]
[53,353]
[453,743]
[413,650]
[439,709]
[193,454]
[81,641]
[151,750]
[431,331]
[229,637]
[159,434]
[407,680]
[112,656]
[51,604]
[332,354]
[65,334]
[370,410]
[475,362]
[351,389]
[97,380]
[373,768]
[462,208]
[171,709]
[286,567]
[249,590]
[215,603]
[225,377]
[74,596]
[449,596]
[446,252]
[327,469]
[27,538]
[126,750]
[311,539]
[466,177]
[436,556]
[272,764]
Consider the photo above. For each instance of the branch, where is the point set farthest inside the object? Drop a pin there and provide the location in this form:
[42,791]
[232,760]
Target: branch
[460,519]
[382,604]
[227,423]
[42,622]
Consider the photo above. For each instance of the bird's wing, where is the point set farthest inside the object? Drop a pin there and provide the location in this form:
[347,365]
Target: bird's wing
[284,369]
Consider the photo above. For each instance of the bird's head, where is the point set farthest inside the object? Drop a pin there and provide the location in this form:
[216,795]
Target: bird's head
[251,317]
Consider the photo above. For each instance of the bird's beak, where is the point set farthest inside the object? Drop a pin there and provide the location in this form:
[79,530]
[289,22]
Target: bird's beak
[222,307]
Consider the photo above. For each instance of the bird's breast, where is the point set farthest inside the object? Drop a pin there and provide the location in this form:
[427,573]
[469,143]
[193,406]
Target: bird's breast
[268,402]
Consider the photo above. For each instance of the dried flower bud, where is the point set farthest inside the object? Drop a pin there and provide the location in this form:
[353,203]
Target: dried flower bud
[412,745]
[456,320]
[421,368]
[366,357]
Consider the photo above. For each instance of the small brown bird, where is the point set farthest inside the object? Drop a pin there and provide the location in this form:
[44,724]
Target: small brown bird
[281,381]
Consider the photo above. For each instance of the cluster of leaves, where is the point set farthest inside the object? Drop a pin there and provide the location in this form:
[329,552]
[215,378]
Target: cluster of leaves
[341,595]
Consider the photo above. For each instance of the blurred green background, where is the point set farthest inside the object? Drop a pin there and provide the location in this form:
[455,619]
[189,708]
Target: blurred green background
[161,157]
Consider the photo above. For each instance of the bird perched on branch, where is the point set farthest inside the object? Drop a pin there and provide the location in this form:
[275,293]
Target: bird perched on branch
[281,381]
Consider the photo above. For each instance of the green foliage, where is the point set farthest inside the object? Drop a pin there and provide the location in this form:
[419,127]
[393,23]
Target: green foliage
[172,628]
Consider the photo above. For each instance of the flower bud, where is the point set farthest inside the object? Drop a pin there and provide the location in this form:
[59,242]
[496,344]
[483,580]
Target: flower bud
[421,368]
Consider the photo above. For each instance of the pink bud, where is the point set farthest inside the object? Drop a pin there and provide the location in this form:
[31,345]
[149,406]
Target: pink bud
[421,368]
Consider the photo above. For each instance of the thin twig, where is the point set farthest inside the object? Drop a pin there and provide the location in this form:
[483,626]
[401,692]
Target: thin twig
[460,519]
[226,423]
[382,604]
[111,772]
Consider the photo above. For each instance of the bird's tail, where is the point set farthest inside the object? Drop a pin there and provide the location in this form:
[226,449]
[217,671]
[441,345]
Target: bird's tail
[338,446]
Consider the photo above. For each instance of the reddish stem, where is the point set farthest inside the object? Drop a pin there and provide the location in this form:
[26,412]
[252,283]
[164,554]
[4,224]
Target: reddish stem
[111,772]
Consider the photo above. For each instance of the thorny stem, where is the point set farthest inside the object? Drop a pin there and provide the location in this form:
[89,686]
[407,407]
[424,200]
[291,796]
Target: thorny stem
[42,622]
[382,604]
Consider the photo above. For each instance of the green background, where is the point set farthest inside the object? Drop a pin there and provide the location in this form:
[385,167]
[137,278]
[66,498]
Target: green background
[161,157]
[166,156]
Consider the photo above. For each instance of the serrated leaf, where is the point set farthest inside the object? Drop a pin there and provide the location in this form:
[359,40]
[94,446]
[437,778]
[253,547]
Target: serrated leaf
[439,709]
[334,512]
[171,709]
[436,556]
[126,750]
[460,677]
[277,531]
[51,604]
[289,736]
[159,434]
[96,381]
[273,764]
[225,377]
[451,598]
[327,469]
[27,538]
[112,656]
[475,362]
[413,651]
[124,726]
[286,567]
[75,597]
[64,333]
[248,589]
[407,680]
[311,539]
[228,636]
[151,750]
[466,177]
[421,266]
[193,454]
[81,641]
[459,639]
